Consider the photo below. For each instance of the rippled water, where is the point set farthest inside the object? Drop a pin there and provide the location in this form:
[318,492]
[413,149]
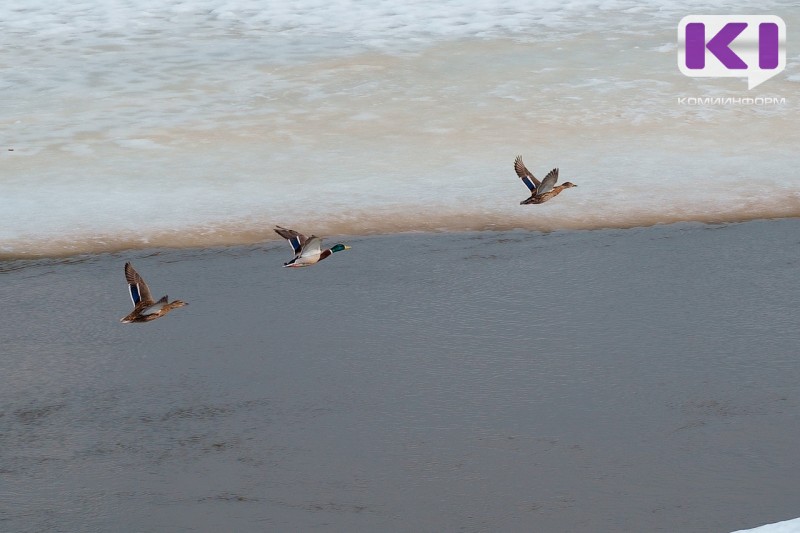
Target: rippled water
[614,380]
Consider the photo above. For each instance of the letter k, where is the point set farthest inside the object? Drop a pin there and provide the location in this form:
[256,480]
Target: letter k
[719,45]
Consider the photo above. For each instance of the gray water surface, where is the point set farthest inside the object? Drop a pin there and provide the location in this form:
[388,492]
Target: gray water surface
[619,380]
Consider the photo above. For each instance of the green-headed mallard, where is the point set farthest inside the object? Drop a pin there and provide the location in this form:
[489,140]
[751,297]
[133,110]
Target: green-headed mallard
[144,307]
[307,250]
[540,191]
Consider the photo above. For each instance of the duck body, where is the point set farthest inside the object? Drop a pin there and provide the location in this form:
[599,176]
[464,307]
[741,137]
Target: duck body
[145,313]
[307,260]
[540,199]
[541,191]
[307,250]
[145,308]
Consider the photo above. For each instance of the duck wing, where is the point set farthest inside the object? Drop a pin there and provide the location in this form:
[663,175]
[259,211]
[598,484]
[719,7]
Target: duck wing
[296,239]
[155,307]
[525,174]
[548,182]
[313,246]
[139,290]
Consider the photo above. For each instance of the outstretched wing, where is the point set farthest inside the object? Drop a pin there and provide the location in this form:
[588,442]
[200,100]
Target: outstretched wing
[548,182]
[140,292]
[525,175]
[312,247]
[296,240]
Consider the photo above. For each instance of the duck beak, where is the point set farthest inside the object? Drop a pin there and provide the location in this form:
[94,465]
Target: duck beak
[347,247]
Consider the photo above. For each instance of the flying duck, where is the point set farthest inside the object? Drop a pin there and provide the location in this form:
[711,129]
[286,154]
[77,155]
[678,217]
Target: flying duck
[145,308]
[540,191]
[307,250]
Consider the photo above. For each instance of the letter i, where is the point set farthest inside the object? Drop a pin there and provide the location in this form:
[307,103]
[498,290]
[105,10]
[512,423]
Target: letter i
[768,46]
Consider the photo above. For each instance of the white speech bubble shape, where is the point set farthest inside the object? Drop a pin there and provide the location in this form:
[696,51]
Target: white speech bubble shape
[746,46]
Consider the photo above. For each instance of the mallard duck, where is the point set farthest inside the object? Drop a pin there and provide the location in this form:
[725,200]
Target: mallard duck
[307,250]
[540,191]
[144,307]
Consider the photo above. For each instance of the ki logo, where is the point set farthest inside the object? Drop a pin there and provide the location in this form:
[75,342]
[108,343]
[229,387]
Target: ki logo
[724,46]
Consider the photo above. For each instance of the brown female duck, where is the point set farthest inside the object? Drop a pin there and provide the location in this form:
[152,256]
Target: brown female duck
[145,308]
[540,191]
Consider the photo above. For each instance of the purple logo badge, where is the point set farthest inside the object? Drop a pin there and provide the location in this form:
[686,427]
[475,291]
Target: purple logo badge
[745,46]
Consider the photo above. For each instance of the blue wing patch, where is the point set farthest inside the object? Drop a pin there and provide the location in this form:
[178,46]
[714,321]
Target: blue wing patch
[135,296]
[529,183]
[295,242]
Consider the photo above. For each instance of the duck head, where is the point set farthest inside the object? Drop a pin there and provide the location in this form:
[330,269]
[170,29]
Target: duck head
[339,247]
